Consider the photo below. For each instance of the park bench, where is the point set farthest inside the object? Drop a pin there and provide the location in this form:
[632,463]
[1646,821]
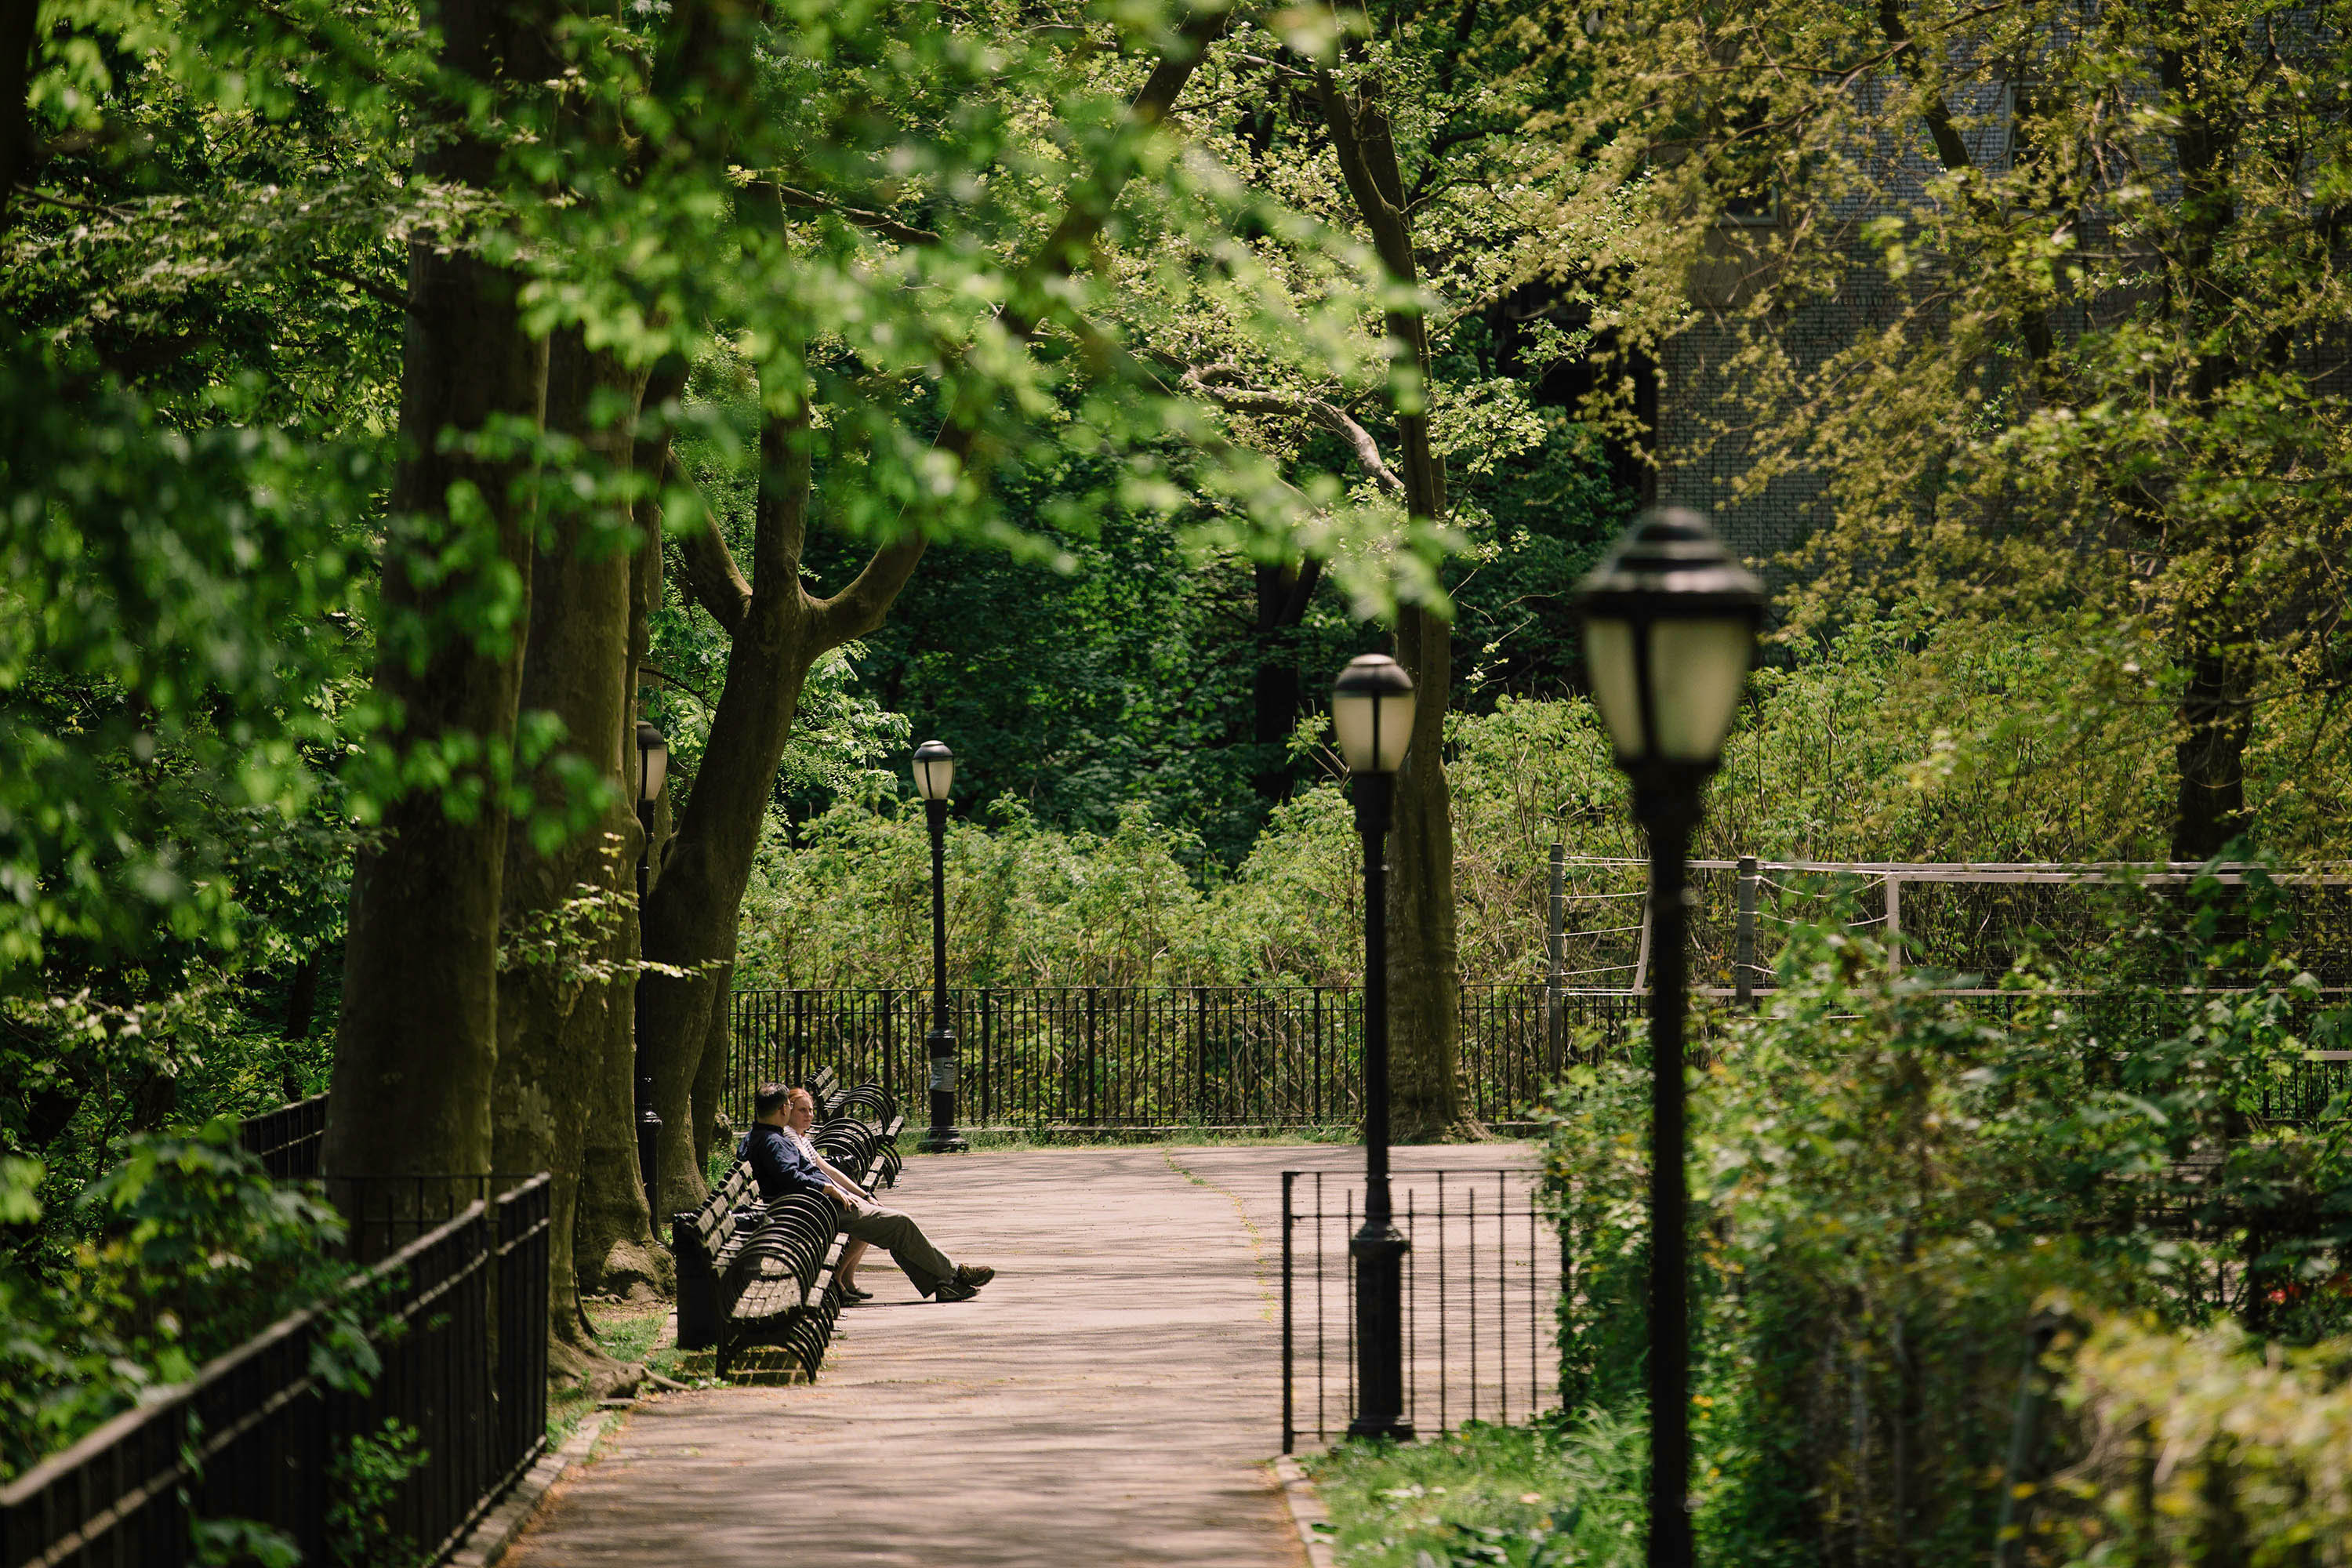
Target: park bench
[867,1113]
[750,1272]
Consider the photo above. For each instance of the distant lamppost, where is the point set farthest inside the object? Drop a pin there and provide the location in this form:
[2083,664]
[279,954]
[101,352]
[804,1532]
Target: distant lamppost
[934,773]
[653,767]
[1669,622]
[1371,712]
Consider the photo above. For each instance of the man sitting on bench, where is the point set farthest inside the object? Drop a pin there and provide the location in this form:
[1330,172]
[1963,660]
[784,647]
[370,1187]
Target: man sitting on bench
[784,1160]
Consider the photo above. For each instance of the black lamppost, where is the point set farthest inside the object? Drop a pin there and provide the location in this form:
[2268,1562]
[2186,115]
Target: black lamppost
[1371,712]
[653,767]
[934,773]
[1669,621]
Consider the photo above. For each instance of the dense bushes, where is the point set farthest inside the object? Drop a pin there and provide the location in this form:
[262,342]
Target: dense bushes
[1901,740]
[187,1249]
[1891,1190]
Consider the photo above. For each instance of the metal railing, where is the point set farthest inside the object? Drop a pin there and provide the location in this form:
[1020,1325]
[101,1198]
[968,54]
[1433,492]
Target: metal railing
[1482,1292]
[1141,1059]
[458,1320]
[1957,918]
[287,1140]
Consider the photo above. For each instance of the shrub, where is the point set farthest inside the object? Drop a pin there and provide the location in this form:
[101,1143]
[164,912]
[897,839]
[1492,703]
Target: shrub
[1888,1185]
[190,1249]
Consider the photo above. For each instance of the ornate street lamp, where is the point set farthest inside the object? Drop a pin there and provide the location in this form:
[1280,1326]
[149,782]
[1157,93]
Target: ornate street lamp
[934,773]
[653,769]
[1371,712]
[1669,622]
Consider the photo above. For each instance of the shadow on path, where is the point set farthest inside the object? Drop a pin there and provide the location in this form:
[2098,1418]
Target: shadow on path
[1111,1398]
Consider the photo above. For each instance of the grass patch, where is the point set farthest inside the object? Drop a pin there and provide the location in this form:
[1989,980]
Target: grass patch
[1540,1496]
[627,1332]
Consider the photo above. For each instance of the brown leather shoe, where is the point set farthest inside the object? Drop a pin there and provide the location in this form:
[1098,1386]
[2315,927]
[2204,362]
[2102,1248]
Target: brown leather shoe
[974,1274]
[954,1290]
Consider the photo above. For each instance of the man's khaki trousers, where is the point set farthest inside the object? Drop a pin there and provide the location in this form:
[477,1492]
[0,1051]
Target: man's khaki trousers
[904,1240]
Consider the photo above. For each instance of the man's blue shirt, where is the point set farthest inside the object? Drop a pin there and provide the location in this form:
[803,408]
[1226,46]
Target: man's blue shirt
[778,1165]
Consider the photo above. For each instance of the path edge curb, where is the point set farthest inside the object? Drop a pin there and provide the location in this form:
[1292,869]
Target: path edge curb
[488,1542]
[1307,1512]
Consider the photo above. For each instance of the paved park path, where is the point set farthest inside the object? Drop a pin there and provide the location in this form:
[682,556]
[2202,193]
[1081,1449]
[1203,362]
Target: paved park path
[1113,1398]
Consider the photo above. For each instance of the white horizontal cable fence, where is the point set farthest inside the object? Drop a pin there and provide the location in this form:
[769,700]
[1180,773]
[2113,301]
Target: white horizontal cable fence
[1972,921]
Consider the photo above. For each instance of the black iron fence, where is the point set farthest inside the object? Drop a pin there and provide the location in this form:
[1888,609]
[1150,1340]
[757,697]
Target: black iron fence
[1482,1292]
[263,1435]
[1133,1057]
[287,1140]
[1141,1059]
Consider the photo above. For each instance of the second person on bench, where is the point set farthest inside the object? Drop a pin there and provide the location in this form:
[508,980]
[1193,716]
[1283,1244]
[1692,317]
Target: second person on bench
[784,1160]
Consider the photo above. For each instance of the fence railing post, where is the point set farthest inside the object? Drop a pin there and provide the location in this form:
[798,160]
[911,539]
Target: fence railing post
[1289,1425]
[1555,957]
[1093,1062]
[1200,1054]
[1894,923]
[1743,948]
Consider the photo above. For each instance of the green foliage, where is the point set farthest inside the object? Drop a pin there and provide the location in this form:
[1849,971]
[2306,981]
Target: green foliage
[1904,739]
[1561,1491]
[1888,1183]
[241,1543]
[2202,1447]
[190,1249]
[364,1480]
[2091,267]
[166,697]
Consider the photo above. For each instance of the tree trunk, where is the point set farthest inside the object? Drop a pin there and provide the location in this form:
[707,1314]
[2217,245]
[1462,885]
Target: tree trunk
[690,915]
[1284,593]
[553,1024]
[302,996]
[417,1047]
[19,48]
[1424,986]
[778,631]
[1424,963]
[617,1249]
[613,1249]
[710,1077]
[2211,808]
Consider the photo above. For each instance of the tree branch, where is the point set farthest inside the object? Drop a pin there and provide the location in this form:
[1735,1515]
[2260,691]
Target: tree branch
[383,293]
[859,608]
[780,518]
[711,578]
[666,679]
[1065,249]
[1316,410]
[861,218]
[1954,154]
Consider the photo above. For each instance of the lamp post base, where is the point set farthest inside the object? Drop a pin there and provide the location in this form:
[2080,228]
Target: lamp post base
[1379,1249]
[941,1137]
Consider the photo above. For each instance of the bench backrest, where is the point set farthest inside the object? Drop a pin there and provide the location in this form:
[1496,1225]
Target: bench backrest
[714,1222]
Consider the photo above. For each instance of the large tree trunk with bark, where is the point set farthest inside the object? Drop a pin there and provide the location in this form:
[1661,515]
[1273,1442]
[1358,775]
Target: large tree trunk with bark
[1425,963]
[417,1044]
[778,632]
[1424,984]
[554,1014]
[616,1246]
[691,912]
[710,1076]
